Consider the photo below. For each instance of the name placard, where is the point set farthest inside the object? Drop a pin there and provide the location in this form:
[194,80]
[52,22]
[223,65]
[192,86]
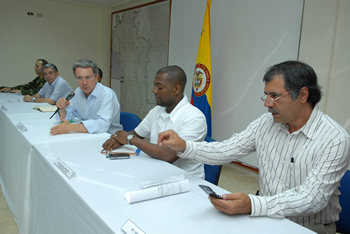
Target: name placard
[21,127]
[3,108]
[130,228]
[65,169]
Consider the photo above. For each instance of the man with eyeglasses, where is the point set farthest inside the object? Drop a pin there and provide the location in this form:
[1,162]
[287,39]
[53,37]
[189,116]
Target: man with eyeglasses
[54,88]
[94,104]
[302,153]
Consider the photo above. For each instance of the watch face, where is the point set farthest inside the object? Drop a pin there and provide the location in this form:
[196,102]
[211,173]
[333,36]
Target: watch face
[129,138]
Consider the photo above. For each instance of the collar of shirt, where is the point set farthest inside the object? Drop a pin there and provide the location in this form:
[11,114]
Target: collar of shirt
[55,82]
[175,112]
[310,127]
[94,93]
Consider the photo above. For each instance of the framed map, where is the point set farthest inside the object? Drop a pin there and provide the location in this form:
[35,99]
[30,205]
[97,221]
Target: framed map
[139,48]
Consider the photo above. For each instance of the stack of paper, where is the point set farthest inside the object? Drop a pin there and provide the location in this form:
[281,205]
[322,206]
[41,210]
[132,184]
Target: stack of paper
[160,190]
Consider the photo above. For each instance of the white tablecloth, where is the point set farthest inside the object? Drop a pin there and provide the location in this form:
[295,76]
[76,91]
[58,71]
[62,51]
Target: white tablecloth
[43,200]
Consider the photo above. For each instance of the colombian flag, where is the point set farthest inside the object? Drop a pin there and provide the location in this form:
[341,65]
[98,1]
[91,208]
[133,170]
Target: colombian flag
[201,85]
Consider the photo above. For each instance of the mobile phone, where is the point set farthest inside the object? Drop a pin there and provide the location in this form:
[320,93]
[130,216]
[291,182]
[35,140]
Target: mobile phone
[209,191]
[119,156]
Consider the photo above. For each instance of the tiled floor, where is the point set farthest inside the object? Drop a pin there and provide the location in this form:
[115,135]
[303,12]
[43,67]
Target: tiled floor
[233,178]
[7,223]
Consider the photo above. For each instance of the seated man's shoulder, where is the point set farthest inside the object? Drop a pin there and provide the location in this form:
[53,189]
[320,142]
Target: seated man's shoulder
[192,111]
[333,126]
[104,90]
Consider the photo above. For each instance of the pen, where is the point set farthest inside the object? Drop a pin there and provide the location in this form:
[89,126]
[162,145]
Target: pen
[138,151]
[107,154]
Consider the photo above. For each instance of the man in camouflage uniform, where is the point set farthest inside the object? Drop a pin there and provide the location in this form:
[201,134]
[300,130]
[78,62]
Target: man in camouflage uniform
[32,87]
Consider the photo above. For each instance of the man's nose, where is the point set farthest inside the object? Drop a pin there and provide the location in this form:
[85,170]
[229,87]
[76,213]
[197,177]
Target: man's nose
[268,103]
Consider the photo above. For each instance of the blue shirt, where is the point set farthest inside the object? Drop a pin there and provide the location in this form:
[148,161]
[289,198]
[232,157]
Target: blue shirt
[59,88]
[100,112]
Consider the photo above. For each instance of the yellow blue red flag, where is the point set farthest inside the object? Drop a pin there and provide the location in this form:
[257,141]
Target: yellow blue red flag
[201,85]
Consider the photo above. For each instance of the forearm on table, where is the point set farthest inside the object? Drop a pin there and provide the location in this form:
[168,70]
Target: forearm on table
[45,100]
[97,125]
[78,128]
[155,151]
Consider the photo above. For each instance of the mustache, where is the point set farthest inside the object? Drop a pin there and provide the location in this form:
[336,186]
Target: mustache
[272,110]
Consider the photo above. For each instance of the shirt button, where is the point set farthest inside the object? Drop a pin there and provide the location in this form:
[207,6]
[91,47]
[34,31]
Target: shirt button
[289,143]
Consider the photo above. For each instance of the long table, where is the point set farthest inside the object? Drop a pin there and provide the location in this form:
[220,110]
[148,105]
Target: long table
[44,200]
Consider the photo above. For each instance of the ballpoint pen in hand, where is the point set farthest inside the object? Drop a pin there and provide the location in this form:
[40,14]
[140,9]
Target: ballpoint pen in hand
[107,154]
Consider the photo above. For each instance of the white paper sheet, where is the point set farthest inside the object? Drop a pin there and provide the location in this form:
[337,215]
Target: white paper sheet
[158,191]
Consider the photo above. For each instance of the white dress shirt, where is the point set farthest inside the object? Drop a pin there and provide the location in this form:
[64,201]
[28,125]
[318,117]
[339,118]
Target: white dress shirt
[100,112]
[59,88]
[188,121]
[299,173]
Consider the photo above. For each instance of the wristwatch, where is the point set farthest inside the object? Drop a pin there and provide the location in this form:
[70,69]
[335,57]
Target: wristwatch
[129,138]
[33,99]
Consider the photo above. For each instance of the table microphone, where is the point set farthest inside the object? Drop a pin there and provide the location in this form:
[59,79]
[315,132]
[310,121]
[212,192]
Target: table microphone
[69,97]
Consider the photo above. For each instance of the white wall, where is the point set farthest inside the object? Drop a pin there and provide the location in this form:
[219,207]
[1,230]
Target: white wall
[68,32]
[246,38]
[64,34]
[325,46]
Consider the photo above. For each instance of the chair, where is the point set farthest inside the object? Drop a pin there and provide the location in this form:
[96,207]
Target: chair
[212,173]
[343,225]
[129,121]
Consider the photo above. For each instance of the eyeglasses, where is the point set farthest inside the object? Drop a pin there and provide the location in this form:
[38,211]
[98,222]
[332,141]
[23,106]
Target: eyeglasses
[80,79]
[272,100]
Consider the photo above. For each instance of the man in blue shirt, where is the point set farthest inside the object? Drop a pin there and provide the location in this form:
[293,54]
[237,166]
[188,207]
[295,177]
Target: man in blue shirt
[95,104]
[54,88]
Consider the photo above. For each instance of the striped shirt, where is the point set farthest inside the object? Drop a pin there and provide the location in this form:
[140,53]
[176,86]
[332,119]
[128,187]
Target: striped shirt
[299,173]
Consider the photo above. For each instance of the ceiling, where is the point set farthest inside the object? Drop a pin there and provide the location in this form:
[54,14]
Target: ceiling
[105,3]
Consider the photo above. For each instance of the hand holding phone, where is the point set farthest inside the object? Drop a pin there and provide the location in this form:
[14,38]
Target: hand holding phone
[209,191]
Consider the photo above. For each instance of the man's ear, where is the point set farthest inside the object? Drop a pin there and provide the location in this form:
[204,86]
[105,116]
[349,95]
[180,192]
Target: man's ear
[304,94]
[177,89]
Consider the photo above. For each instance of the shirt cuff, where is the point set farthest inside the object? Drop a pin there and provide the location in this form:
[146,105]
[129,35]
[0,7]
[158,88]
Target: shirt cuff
[258,205]
[190,150]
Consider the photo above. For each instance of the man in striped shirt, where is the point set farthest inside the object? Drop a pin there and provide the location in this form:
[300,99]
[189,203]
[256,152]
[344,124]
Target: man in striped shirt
[302,153]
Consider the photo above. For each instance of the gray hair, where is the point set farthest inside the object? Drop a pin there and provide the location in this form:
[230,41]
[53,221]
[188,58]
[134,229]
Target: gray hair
[296,75]
[49,65]
[86,63]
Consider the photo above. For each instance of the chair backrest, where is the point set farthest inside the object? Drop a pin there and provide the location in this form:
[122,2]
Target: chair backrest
[212,173]
[129,121]
[343,224]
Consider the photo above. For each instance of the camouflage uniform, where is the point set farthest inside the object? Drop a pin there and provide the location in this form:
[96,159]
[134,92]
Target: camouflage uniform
[32,87]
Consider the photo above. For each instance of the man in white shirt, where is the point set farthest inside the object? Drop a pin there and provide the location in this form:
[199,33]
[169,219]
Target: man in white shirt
[302,153]
[54,88]
[173,111]
[94,104]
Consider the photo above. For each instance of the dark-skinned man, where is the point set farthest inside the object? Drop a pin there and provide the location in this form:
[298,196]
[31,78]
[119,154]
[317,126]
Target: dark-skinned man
[173,111]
